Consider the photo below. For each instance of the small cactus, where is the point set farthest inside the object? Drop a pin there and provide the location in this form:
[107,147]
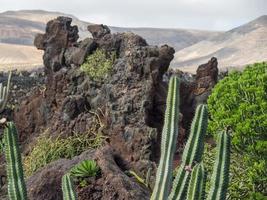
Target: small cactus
[196,190]
[220,175]
[4,92]
[16,184]
[68,188]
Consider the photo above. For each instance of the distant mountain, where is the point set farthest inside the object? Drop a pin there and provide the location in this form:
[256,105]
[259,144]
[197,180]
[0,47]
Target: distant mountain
[236,48]
[20,27]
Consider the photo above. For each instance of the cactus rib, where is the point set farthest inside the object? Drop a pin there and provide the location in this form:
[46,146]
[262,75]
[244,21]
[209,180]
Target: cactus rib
[168,142]
[220,178]
[16,184]
[68,188]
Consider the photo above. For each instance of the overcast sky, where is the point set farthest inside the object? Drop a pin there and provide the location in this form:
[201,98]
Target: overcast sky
[194,14]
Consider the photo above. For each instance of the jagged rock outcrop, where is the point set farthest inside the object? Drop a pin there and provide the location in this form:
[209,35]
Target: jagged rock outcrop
[129,103]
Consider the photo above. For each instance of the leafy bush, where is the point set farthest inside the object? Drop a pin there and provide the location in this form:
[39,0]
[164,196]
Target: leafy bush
[239,102]
[98,64]
[48,149]
[86,168]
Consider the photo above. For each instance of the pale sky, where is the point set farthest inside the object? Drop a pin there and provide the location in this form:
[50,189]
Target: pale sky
[193,14]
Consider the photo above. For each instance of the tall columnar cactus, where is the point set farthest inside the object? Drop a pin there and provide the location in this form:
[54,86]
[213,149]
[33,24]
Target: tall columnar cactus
[192,153]
[68,188]
[16,184]
[168,143]
[190,180]
[220,175]
[4,92]
[196,190]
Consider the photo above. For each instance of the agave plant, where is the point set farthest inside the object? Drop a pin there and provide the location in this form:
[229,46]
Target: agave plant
[86,168]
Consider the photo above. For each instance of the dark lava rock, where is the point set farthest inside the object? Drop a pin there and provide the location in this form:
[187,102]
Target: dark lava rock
[112,185]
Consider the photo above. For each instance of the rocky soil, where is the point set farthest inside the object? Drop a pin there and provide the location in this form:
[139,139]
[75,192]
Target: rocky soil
[130,103]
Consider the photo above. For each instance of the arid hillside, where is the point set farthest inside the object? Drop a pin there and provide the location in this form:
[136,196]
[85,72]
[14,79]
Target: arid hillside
[235,48]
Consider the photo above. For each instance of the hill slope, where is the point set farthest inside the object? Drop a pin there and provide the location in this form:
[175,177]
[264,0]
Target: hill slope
[235,48]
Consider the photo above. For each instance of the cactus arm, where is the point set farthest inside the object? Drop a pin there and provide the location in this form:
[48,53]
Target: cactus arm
[196,189]
[5,93]
[192,153]
[168,142]
[16,184]
[194,147]
[68,188]
[220,175]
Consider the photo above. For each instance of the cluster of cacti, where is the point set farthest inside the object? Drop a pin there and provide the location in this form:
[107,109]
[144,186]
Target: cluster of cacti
[190,181]
[16,184]
[4,92]
[68,188]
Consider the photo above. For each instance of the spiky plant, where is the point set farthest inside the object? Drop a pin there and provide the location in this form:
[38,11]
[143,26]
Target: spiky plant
[220,175]
[168,142]
[196,190]
[86,168]
[16,184]
[4,92]
[68,188]
[192,153]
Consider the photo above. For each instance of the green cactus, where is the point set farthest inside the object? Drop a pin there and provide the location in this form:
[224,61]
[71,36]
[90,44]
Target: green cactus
[68,188]
[16,184]
[220,175]
[4,92]
[168,142]
[192,153]
[196,190]
[190,180]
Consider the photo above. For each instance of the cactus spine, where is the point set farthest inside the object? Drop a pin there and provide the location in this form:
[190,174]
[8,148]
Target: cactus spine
[220,178]
[192,153]
[168,142]
[16,184]
[4,92]
[67,188]
[196,190]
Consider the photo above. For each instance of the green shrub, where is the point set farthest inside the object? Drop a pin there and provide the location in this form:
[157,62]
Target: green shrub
[48,149]
[239,103]
[98,65]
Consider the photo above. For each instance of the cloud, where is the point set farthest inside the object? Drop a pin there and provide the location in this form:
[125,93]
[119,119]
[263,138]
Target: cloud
[196,14]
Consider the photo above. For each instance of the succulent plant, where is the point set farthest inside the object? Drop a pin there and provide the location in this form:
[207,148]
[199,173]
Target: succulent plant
[4,92]
[68,188]
[16,184]
[190,180]
[86,168]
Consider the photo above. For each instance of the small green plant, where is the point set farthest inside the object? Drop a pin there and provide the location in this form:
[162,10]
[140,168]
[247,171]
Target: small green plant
[48,149]
[98,65]
[4,92]
[68,188]
[16,184]
[182,188]
[86,168]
